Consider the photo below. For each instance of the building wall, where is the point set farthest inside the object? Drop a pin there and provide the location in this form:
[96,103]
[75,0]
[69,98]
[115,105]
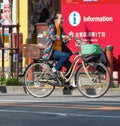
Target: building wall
[21,13]
[23,19]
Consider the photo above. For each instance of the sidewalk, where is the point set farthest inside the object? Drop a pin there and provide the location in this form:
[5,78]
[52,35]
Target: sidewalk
[57,91]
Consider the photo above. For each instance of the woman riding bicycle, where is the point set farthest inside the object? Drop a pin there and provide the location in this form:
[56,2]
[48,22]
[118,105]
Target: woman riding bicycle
[41,82]
[56,41]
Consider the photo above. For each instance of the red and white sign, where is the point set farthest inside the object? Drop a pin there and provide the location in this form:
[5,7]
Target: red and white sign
[95,21]
[7,8]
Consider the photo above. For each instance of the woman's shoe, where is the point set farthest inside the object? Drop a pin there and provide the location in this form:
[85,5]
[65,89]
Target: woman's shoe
[68,86]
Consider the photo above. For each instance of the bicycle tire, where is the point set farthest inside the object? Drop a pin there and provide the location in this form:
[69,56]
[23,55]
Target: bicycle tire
[99,83]
[36,79]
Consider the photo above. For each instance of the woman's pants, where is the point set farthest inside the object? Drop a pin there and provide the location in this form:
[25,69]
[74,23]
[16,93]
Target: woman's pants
[62,59]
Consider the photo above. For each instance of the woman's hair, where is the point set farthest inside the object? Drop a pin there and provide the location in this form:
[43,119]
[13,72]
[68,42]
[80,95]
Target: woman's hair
[53,17]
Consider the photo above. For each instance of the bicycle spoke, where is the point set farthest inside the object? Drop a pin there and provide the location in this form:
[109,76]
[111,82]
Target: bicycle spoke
[96,85]
[36,80]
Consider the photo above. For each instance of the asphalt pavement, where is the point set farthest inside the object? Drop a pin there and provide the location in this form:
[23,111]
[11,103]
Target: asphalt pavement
[25,110]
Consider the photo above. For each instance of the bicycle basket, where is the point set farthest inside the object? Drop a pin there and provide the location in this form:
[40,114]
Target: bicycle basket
[33,51]
[91,57]
[90,52]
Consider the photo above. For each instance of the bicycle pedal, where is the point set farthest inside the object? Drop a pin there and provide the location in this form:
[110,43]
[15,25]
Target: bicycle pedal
[68,87]
[21,75]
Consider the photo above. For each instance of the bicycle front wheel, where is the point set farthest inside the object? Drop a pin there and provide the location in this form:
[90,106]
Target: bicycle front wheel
[93,82]
[36,80]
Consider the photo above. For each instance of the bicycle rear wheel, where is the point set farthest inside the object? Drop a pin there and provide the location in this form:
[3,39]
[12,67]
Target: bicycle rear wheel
[36,80]
[97,83]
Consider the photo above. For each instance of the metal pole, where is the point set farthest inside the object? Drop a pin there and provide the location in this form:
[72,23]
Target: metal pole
[11,51]
[10,40]
[18,42]
[3,51]
[17,57]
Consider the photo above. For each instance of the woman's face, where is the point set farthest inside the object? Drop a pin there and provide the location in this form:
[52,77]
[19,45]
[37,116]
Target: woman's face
[59,19]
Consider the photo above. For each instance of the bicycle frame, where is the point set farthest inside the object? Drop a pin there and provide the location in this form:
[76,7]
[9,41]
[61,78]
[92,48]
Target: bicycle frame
[77,59]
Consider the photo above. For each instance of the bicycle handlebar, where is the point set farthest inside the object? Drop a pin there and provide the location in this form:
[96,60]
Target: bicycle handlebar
[78,40]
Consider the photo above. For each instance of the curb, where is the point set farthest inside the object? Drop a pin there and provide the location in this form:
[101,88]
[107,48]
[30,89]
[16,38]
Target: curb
[111,91]
[12,89]
[57,91]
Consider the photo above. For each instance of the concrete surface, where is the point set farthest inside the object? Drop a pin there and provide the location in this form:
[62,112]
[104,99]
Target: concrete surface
[57,91]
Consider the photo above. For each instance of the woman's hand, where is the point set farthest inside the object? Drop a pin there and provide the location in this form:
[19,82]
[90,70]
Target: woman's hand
[65,38]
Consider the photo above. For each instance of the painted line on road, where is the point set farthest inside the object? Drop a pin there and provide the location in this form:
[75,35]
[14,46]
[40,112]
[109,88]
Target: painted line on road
[60,114]
[64,106]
